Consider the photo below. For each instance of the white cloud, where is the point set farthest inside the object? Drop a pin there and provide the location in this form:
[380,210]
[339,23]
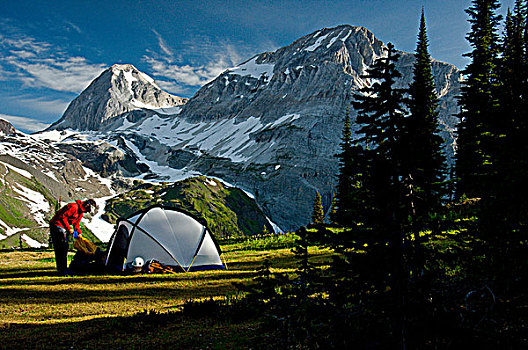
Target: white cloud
[187,74]
[42,104]
[25,123]
[72,74]
[72,25]
[213,58]
[163,44]
[40,64]
[23,53]
[174,88]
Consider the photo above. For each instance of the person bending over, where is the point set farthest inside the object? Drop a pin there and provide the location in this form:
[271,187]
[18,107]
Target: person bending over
[66,223]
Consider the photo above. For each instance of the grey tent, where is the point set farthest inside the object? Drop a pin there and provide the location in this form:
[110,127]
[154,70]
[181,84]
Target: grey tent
[168,235]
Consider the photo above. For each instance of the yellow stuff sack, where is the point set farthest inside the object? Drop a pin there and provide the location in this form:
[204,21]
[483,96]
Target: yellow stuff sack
[84,246]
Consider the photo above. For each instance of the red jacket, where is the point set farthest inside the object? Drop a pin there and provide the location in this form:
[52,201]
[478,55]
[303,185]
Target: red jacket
[69,215]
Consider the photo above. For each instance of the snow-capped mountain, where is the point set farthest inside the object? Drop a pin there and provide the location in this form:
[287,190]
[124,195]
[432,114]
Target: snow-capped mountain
[271,125]
[119,91]
[33,176]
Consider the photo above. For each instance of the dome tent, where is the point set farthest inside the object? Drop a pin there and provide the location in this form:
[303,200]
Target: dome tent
[169,235]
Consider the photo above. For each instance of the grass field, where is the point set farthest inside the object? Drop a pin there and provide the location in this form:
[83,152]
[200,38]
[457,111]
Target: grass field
[41,310]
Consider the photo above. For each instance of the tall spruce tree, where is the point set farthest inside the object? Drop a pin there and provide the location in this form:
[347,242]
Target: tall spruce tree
[478,102]
[381,116]
[345,211]
[424,166]
[511,94]
[381,109]
[317,211]
[512,72]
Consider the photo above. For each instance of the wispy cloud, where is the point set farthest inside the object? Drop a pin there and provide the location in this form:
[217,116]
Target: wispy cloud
[73,26]
[174,87]
[163,44]
[188,74]
[40,64]
[53,106]
[206,60]
[25,123]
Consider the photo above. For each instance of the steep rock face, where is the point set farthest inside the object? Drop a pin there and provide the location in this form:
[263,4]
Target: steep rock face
[275,121]
[313,73]
[108,100]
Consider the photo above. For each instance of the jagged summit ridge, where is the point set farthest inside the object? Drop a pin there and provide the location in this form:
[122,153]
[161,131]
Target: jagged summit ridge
[108,100]
[334,44]
[322,68]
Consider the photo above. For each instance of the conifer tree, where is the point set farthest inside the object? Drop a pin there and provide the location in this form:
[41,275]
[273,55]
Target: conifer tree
[478,116]
[353,195]
[512,73]
[491,158]
[381,116]
[333,211]
[424,167]
[510,92]
[344,186]
[381,109]
[317,212]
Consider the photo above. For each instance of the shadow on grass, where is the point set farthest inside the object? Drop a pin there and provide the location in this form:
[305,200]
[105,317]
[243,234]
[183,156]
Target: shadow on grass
[32,278]
[236,268]
[71,297]
[17,273]
[143,330]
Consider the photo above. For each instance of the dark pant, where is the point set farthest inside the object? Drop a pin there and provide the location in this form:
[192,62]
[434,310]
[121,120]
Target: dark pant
[60,246]
[88,264]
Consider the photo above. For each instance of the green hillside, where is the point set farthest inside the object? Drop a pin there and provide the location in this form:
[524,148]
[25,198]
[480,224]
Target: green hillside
[227,211]
[15,208]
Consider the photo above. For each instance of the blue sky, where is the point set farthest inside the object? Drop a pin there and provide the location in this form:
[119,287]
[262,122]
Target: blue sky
[50,50]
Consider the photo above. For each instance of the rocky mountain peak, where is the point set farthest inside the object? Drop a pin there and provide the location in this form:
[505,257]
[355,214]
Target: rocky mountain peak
[318,69]
[327,38]
[6,128]
[281,113]
[120,92]
[131,74]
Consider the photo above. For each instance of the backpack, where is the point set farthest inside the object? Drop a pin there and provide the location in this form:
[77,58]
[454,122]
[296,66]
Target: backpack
[84,246]
[154,266]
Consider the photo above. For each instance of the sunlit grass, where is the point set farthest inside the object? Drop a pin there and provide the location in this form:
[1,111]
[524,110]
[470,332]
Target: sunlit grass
[30,291]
